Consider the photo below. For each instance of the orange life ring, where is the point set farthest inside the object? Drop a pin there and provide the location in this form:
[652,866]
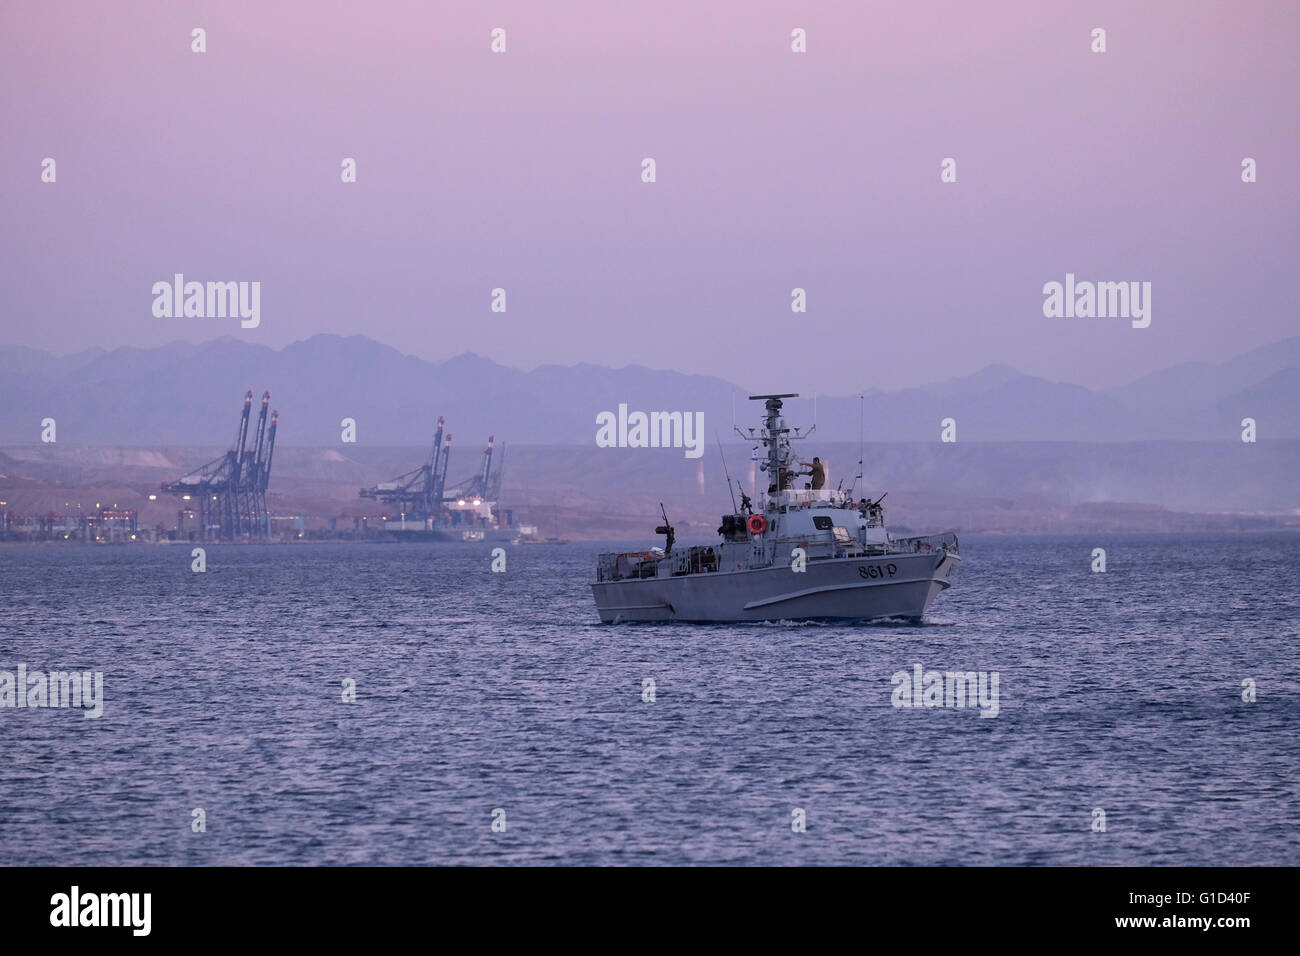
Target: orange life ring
[757,524]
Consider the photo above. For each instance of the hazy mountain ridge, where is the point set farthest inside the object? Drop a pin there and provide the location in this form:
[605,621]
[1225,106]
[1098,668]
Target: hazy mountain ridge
[183,393]
[1210,383]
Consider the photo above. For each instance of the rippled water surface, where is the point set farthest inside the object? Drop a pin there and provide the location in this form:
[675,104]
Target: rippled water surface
[476,691]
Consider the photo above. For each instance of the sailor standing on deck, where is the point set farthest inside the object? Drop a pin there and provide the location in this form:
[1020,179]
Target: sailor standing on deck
[818,472]
[787,476]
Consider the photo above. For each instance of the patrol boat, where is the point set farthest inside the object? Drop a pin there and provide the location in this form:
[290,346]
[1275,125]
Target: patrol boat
[801,555]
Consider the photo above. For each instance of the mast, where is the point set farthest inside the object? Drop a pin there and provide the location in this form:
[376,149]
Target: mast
[775,440]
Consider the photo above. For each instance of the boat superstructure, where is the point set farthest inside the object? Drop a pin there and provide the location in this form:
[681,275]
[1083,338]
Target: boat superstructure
[801,554]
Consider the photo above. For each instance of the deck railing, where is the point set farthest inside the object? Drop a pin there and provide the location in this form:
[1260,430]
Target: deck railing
[926,542]
[620,567]
[693,560]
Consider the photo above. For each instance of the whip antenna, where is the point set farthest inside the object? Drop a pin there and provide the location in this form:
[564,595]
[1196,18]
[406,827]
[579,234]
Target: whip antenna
[725,471]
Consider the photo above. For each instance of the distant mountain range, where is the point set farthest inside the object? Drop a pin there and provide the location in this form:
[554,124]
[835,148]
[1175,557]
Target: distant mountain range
[191,394]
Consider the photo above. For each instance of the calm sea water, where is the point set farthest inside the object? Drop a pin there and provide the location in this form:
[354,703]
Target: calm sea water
[477,691]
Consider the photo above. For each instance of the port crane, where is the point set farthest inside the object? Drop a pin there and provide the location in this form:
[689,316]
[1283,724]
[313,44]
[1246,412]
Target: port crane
[485,484]
[418,494]
[229,493]
[421,495]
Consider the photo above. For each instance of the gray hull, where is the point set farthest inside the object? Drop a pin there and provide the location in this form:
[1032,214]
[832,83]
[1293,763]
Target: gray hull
[837,589]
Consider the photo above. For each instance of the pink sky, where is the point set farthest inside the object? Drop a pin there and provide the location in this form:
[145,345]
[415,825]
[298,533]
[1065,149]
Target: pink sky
[775,170]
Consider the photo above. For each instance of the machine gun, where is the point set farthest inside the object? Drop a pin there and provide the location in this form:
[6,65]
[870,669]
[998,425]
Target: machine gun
[871,507]
[666,530]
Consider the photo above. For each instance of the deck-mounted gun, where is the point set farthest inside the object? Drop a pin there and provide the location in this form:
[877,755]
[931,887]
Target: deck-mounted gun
[666,530]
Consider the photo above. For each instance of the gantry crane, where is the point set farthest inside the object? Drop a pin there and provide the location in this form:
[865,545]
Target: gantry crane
[420,495]
[229,493]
